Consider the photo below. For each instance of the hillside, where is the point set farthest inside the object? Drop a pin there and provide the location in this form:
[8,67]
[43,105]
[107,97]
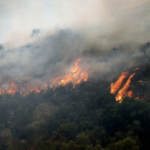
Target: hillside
[86,117]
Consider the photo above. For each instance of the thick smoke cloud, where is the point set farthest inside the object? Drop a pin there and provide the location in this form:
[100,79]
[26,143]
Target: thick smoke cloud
[93,30]
[1,47]
[55,54]
[118,20]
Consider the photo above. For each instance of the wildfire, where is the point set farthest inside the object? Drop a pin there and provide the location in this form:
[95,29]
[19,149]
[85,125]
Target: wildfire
[116,85]
[130,94]
[122,93]
[76,75]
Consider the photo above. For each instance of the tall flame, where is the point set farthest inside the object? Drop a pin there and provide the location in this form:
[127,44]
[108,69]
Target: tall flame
[122,93]
[76,75]
[116,85]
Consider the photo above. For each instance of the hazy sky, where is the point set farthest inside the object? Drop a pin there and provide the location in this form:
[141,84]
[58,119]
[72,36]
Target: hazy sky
[19,17]
[68,29]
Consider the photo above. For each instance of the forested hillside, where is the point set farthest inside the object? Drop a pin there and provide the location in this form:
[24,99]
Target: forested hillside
[74,74]
[83,118]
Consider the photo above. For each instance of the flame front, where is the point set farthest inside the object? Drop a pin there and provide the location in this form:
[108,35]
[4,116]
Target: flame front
[76,75]
[116,85]
[122,93]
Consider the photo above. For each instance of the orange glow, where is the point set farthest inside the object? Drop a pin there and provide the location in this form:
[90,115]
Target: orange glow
[122,93]
[116,85]
[137,97]
[76,75]
[129,94]
[136,69]
[144,97]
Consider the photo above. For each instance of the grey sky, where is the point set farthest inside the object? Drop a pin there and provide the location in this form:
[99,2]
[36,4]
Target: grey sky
[69,29]
[19,17]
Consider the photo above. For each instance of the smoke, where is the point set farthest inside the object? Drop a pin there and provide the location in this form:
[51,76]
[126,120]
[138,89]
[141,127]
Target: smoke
[87,29]
[35,32]
[116,21]
[54,55]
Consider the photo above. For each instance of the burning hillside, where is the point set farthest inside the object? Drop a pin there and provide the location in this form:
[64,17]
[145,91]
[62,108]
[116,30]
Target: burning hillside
[123,91]
[29,68]
[116,85]
[76,75]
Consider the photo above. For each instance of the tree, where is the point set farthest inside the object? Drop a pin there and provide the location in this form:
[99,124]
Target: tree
[125,144]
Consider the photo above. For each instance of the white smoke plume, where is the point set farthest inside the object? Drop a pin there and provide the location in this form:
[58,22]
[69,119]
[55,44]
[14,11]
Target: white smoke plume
[87,29]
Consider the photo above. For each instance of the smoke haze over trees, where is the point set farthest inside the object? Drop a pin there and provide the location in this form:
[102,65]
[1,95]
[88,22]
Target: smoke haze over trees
[48,43]
[85,117]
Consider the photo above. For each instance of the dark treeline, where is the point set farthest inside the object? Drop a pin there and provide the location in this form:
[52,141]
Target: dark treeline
[83,118]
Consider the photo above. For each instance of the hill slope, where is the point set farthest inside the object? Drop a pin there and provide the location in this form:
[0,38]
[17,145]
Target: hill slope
[83,118]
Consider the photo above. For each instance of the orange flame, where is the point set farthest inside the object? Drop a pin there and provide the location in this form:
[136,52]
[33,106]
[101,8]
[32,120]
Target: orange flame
[137,69]
[116,85]
[129,94]
[122,93]
[137,97]
[76,75]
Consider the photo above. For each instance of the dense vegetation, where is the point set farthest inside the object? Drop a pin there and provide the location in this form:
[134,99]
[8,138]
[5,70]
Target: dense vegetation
[83,118]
